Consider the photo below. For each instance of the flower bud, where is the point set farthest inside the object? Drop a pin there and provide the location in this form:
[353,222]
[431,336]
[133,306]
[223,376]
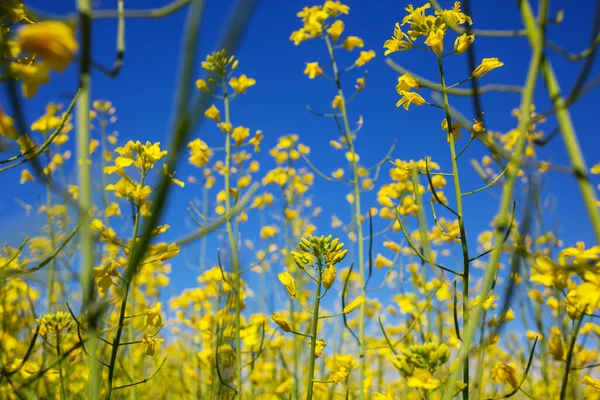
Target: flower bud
[281,322]
[329,277]
[463,42]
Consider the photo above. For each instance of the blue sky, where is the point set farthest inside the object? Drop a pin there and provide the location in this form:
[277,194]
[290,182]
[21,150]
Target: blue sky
[143,97]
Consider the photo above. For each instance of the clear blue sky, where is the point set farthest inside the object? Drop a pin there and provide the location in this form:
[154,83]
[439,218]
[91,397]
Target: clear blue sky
[143,96]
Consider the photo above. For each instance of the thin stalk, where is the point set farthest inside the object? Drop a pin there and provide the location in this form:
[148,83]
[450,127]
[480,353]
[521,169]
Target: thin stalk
[232,243]
[61,379]
[357,218]
[130,338]
[50,219]
[503,219]
[461,222]
[314,330]
[116,342]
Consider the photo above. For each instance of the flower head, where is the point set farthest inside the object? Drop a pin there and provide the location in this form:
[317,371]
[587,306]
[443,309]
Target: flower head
[54,41]
[313,70]
[487,64]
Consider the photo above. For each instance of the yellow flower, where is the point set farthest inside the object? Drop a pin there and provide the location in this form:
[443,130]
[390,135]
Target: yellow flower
[407,82]
[225,127]
[242,83]
[26,177]
[360,84]
[336,29]
[281,322]
[352,157]
[340,375]
[365,57]
[487,64]
[338,102]
[200,153]
[335,8]
[300,36]
[555,347]
[151,344]
[104,276]
[409,98]
[381,261]
[456,127]
[153,317]
[354,305]
[435,40]
[313,70]
[54,41]
[112,210]
[422,378]
[268,232]
[463,42]
[505,373]
[201,85]
[7,126]
[320,346]
[213,113]
[239,134]
[588,380]
[399,42]
[329,277]
[351,42]
[288,281]
[32,77]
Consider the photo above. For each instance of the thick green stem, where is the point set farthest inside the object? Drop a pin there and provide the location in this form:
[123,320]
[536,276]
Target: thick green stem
[314,330]
[563,117]
[232,243]
[357,218]
[461,222]
[504,214]
[82,119]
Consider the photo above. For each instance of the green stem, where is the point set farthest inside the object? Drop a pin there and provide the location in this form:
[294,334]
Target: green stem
[314,330]
[232,244]
[357,218]
[563,117]
[461,222]
[82,121]
[503,218]
[116,342]
[61,379]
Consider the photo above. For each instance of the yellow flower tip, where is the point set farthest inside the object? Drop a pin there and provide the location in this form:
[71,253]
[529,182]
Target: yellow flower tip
[365,57]
[281,322]
[352,42]
[53,41]
[213,113]
[435,40]
[319,347]
[463,42]
[241,84]
[329,277]
[313,70]
[354,305]
[338,102]
[409,98]
[336,29]
[407,82]
[288,281]
[26,177]
[399,42]
[487,64]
